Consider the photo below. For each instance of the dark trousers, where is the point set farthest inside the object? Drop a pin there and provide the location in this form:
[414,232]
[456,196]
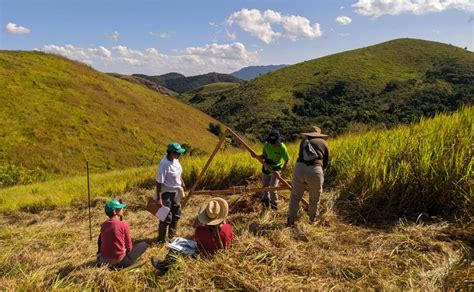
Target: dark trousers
[132,256]
[170,224]
[129,259]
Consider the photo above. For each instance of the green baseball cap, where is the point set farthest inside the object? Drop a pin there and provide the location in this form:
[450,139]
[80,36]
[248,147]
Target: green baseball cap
[110,206]
[175,147]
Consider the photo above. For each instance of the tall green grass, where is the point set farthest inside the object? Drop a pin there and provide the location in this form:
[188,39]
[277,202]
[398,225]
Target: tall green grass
[228,167]
[421,168]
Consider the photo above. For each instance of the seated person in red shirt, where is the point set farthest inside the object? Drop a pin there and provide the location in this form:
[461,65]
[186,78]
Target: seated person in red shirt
[214,233]
[115,243]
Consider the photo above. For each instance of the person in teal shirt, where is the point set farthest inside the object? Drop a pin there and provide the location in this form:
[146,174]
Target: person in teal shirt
[276,156]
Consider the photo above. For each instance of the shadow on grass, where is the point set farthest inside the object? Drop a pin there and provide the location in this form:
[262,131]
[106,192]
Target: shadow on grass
[264,229]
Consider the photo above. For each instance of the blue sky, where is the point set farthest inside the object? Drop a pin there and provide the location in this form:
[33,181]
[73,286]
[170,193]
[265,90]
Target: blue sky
[194,37]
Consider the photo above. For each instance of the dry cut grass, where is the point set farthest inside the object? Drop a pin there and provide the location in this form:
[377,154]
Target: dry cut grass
[51,250]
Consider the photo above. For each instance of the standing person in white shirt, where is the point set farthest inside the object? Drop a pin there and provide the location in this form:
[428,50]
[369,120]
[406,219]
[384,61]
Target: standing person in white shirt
[170,189]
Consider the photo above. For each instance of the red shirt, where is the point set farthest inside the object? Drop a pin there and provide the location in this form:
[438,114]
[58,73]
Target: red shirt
[208,240]
[115,238]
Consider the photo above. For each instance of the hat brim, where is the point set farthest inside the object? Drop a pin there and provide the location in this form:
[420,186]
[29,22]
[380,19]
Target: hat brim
[274,141]
[121,206]
[224,210]
[180,150]
[315,135]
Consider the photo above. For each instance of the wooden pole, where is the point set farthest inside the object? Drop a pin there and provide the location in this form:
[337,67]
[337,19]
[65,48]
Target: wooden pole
[206,166]
[239,190]
[89,199]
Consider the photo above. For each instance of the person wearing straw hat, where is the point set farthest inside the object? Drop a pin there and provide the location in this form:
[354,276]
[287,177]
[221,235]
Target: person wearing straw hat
[115,244]
[211,235]
[214,233]
[276,156]
[170,190]
[308,173]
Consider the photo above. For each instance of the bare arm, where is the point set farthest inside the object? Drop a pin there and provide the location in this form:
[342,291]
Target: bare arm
[158,194]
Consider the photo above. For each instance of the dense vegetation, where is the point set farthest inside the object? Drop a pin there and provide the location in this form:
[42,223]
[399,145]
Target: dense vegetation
[251,72]
[207,95]
[394,82]
[180,83]
[55,114]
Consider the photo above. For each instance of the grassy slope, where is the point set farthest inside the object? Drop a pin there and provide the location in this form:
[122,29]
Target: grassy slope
[371,67]
[213,87]
[367,70]
[207,95]
[181,84]
[56,113]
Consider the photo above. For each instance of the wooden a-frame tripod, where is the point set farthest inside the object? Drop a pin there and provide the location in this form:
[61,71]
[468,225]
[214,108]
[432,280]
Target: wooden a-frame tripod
[235,189]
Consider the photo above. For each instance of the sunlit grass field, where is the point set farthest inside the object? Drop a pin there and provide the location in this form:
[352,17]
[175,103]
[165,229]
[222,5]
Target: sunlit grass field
[424,167]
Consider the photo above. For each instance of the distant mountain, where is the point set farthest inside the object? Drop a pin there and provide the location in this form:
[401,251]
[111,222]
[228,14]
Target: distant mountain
[145,82]
[251,72]
[386,84]
[180,84]
[56,113]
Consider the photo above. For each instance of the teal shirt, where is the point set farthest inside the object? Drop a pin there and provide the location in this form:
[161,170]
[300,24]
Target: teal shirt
[279,155]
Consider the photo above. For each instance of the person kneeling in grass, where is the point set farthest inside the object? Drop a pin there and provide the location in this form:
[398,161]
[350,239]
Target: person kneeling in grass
[211,235]
[115,244]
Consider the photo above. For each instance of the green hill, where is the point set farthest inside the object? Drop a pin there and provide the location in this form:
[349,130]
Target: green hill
[56,113]
[251,72]
[180,83]
[145,82]
[207,95]
[389,83]
[214,87]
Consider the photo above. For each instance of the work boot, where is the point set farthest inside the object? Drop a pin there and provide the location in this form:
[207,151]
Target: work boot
[155,262]
[266,203]
[274,205]
[290,222]
[172,229]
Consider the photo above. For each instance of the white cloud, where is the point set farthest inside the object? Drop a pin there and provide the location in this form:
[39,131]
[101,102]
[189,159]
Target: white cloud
[343,20]
[160,34]
[261,25]
[231,35]
[125,52]
[80,54]
[192,60]
[377,8]
[113,36]
[13,28]
[234,51]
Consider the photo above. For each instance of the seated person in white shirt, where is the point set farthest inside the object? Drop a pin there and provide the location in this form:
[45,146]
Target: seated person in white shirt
[170,189]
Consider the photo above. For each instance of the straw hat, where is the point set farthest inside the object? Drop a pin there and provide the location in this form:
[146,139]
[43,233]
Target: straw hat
[316,133]
[213,212]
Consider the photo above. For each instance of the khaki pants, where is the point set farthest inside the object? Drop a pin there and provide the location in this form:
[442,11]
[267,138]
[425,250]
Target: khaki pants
[269,180]
[305,177]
